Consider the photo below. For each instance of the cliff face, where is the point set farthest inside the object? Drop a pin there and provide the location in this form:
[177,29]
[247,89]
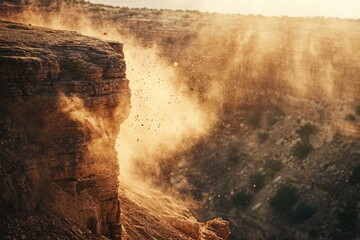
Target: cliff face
[63,97]
[274,76]
[47,156]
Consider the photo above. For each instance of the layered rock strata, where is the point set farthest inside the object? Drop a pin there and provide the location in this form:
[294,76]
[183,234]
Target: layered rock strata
[48,160]
[63,97]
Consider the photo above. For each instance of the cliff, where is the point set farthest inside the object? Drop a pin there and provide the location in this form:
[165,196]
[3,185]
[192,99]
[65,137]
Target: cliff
[271,80]
[47,160]
[63,97]
[271,76]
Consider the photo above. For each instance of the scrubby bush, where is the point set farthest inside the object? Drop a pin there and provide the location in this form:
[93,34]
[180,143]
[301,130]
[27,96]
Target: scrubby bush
[302,149]
[262,136]
[302,213]
[350,117]
[305,131]
[357,110]
[285,198]
[272,166]
[355,175]
[347,218]
[254,119]
[241,199]
[257,180]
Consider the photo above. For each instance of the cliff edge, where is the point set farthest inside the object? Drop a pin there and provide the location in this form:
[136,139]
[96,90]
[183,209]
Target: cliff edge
[63,97]
[47,161]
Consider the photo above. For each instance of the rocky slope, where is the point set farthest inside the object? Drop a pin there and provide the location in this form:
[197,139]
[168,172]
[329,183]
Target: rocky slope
[270,77]
[47,160]
[63,97]
[42,225]
[149,214]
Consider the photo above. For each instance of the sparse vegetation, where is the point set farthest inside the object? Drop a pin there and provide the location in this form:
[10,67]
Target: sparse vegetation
[169,40]
[357,110]
[305,131]
[347,218]
[284,199]
[262,136]
[257,180]
[254,119]
[301,149]
[350,117]
[302,213]
[272,166]
[241,199]
[355,175]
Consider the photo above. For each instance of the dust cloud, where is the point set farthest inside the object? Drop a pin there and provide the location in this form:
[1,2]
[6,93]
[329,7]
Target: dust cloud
[164,117]
[300,56]
[233,60]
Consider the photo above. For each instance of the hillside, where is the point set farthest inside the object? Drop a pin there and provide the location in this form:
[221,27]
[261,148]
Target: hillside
[284,98]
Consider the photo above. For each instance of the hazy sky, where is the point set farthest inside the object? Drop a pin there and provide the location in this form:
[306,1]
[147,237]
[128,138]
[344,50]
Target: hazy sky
[329,8]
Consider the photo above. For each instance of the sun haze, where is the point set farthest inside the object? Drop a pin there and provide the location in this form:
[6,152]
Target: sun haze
[326,8]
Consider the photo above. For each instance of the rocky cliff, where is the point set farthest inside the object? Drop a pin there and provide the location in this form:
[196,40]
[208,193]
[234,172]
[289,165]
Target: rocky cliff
[275,78]
[63,97]
[289,113]
[47,156]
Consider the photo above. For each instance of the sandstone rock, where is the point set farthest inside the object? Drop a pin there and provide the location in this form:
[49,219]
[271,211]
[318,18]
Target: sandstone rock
[49,158]
[47,161]
[149,214]
[220,227]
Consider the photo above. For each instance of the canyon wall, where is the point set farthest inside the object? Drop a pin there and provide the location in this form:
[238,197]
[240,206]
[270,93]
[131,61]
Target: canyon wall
[291,71]
[63,97]
[48,137]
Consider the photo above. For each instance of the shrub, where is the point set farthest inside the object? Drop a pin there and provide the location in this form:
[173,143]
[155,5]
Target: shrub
[272,166]
[254,119]
[355,175]
[257,180]
[350,117]
[169,40]
[241,199]
[302,149]
[357,110]
[302,213]
[284,199]
[306,131]
[347,217]
[262,136]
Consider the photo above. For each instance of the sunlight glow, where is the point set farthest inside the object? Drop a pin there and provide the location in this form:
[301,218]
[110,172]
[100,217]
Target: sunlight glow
[326,8]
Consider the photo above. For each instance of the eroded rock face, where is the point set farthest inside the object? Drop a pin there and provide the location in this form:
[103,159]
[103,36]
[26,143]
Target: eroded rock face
[47,160]
[149,214]
[58,152]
